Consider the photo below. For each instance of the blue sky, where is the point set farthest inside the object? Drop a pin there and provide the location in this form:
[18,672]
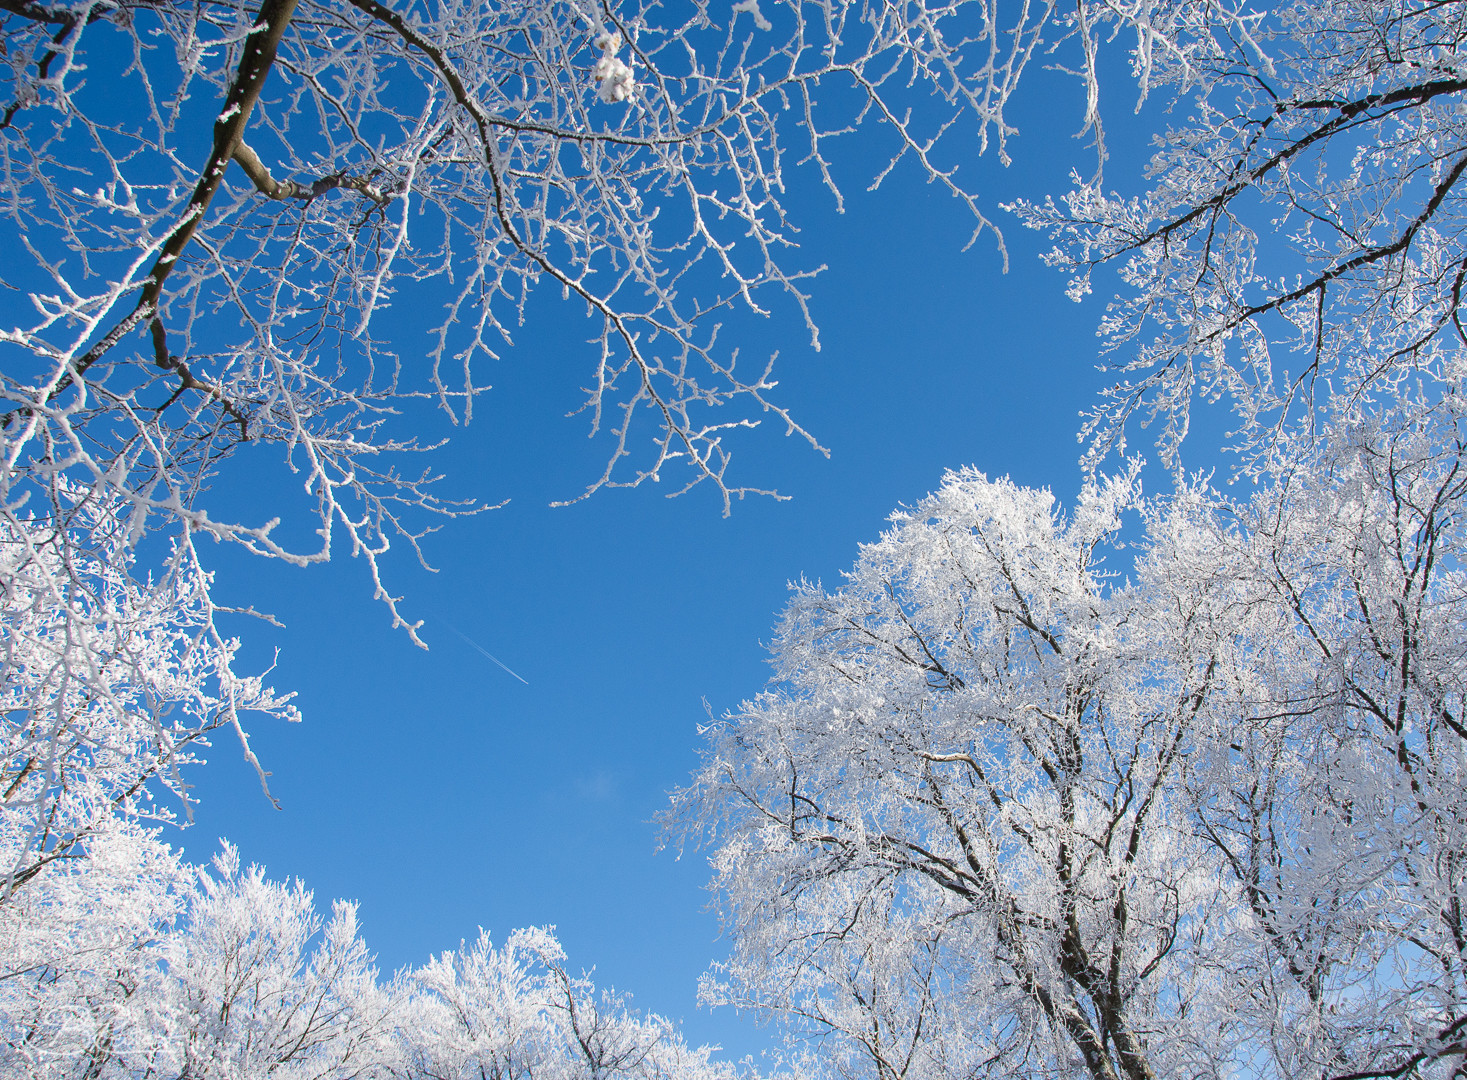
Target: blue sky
[445,795]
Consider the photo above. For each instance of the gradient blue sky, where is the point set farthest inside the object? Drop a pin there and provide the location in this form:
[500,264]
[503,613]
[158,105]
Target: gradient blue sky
[443,794]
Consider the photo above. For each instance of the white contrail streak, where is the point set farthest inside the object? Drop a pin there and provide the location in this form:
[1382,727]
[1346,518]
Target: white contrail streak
[489,654]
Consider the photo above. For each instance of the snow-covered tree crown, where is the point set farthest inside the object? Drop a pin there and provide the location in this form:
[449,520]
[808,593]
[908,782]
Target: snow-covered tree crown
[999,816]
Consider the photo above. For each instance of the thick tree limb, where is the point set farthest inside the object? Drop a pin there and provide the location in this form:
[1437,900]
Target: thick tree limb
[254,66]
[246,158]
[39,12]
[1349,113]
[188,381]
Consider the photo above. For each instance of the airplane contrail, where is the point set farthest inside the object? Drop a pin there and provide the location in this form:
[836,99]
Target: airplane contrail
[489,654]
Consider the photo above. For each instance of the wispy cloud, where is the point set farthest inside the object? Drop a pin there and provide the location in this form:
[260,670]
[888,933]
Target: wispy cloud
[600,786]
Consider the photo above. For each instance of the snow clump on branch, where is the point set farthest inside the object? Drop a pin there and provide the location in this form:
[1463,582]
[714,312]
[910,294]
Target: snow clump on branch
[614,80]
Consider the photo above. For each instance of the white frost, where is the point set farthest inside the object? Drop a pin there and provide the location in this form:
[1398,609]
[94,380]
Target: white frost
[752,7]
[614,78]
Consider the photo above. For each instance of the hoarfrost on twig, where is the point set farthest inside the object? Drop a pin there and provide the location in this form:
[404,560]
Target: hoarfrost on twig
[752,7]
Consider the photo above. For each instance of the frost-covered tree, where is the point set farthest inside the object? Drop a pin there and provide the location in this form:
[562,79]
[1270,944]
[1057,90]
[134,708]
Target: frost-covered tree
[110,683]
[127,963]
[516,1011]
[75,951]
[1002,815]
[953,831]
[1334,789]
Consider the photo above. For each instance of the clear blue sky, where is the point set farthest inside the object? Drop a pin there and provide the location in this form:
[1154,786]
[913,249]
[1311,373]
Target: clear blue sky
[443,794]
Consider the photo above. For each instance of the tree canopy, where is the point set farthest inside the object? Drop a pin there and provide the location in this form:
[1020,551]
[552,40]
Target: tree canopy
[1002,813]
